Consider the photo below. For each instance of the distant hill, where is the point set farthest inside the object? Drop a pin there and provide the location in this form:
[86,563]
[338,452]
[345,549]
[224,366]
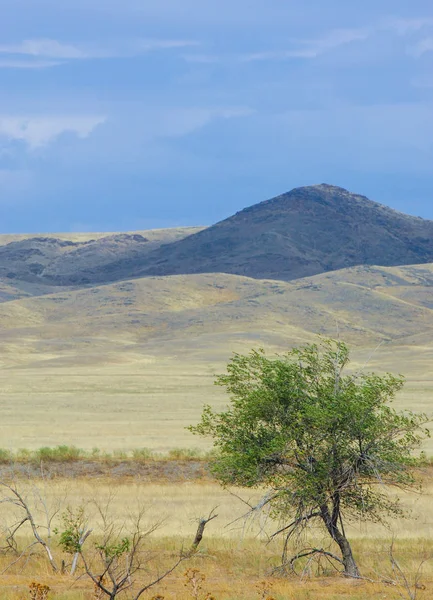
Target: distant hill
[307,231]
[30,264]
[205,317]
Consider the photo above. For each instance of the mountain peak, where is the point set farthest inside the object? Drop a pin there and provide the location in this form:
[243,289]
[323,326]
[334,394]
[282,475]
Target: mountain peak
[306,231]
[333,192]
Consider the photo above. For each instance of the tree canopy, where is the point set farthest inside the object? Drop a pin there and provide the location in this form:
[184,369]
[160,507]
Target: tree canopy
[326,441]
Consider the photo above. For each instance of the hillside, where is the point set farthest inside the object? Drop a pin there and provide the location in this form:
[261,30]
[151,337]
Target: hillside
[30,263]
[209,315]
[131,364]
[305,232]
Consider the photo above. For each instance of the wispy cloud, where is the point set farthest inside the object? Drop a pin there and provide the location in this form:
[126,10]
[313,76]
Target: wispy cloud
[54,49]
[13,63]
[308,48]
[311,48]
[43,47]
[37,131]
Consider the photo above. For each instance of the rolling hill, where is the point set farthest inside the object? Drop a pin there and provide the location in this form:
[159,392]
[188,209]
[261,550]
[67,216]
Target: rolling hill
[210,315]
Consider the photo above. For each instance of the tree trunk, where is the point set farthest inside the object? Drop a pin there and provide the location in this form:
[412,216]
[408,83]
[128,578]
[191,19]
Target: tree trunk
[350,566]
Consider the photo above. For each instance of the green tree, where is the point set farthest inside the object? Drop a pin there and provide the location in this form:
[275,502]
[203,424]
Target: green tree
[327,443]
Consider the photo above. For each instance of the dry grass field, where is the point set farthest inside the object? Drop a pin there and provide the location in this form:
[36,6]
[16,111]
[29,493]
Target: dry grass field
[129,365]
[150,402]
[122,408]
[237,559]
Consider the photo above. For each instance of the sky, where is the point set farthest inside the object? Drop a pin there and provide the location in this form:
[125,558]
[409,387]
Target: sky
[138,114]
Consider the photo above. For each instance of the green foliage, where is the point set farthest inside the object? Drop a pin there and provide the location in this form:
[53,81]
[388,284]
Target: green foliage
[69,454]
[185,454]
[5,456]
[142,455]
[73,524]
[321,438]
[115,550]
[57,454]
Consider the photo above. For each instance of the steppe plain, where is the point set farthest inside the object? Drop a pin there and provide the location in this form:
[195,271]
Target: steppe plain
[128,364]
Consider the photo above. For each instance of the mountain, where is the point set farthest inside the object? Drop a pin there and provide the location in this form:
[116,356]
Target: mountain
[307,231]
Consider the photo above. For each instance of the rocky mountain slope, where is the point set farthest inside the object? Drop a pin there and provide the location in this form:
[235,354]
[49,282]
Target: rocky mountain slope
[31,265]
[307,231]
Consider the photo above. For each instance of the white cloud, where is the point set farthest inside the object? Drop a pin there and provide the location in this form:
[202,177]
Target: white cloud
[12,63]
[312,48]
[37,131]
[43,47]
[333,39]
[53,49]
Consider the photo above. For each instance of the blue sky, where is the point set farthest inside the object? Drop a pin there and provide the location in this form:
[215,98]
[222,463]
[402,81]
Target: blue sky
[132,114]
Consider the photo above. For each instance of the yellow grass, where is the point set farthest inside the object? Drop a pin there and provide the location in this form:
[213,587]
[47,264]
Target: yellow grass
[130,364]
[235,559]
[149,402]
[178,505]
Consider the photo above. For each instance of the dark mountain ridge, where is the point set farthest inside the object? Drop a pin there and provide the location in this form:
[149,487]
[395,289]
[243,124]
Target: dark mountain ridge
[304,232]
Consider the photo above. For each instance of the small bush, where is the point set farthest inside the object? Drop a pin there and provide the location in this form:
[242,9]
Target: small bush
[58,454]
[185,454]
[142,455]
[23,455]
[38,591]
[120,455]
[5,456]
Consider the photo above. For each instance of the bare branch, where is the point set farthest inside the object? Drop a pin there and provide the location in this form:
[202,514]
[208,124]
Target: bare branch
[294,524]
[18,500]
[183,556]
[303,554]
